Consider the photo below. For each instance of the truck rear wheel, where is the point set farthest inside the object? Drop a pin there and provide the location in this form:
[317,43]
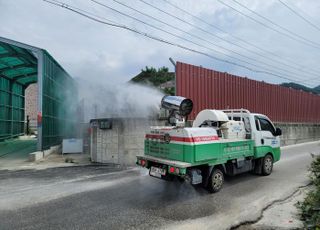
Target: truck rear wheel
[267,165]
[216,180]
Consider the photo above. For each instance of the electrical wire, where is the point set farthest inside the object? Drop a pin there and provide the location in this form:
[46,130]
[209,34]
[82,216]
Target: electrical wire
[100,19]
[237,2]
[200,38]
[188,40]
[296,64]
[277,62]
[292,35]
[299,15]
[242,40]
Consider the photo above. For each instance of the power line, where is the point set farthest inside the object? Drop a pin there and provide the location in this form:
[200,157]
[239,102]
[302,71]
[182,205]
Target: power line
[195,36]
[289,34]
[267,58]
[199,28]
[299,15]
[187,40]
[273,23]
[311,71]
[100,19]
[193,25]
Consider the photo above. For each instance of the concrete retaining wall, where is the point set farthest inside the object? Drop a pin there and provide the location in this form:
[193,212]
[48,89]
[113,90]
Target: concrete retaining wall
[294,133]
[39,155]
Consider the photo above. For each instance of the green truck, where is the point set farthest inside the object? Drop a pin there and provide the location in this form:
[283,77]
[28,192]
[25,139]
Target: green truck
[220,142]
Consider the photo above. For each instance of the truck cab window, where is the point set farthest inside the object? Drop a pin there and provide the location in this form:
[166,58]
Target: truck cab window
[266,125]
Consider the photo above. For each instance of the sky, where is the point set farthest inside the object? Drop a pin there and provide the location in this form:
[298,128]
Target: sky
[101,53]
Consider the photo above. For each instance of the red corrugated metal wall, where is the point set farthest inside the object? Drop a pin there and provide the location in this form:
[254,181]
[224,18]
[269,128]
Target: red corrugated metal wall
[211,89]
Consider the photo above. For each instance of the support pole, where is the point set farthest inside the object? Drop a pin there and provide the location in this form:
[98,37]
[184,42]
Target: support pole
[11,108]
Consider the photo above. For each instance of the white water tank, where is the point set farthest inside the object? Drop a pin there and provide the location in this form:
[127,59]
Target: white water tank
[233,130]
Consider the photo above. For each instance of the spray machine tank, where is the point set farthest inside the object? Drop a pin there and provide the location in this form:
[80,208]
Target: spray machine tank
[217,119]
[183,106]
[179,107]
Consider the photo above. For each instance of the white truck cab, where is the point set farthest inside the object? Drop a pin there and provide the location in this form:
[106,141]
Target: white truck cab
[258,127]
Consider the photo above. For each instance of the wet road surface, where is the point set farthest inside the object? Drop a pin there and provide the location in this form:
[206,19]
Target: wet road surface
[99,198]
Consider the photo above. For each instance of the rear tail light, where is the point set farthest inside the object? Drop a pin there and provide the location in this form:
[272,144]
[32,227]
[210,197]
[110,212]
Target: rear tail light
[174,170]
[142,162]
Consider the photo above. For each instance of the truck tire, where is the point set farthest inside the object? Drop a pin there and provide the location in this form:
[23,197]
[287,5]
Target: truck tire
[267,165]
[215,181]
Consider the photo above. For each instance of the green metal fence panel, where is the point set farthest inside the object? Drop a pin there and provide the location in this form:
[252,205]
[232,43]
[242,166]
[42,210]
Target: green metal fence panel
[18,69]
[59,101]
[17,109]
[11,108]
[4,108]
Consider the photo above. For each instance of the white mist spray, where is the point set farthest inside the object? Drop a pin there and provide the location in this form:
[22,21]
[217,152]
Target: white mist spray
[118,100]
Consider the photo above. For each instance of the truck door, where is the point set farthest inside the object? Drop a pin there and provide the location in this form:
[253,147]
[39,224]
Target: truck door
[265,135]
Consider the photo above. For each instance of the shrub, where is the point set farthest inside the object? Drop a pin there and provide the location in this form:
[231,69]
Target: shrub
[310,207]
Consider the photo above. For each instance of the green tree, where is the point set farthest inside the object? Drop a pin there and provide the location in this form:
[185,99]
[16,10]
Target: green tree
[155,77]
[296,86]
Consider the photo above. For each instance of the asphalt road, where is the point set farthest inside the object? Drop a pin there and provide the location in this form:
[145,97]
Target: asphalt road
[101,198]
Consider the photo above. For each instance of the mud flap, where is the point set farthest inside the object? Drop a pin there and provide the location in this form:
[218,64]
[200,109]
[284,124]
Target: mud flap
[258,166]
[205,175]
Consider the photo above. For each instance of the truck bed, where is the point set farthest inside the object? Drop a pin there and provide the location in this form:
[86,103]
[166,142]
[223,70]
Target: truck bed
[217,152]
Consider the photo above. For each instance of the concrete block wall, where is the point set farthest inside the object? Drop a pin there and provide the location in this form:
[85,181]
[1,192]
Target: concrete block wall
[31,101]
[133,138]
[294,133]
[107,145]
[122,143]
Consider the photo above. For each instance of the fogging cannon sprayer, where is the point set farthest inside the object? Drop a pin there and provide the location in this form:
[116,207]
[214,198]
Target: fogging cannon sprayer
[179,108]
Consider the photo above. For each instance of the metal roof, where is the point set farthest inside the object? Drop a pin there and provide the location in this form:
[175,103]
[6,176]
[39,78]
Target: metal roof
[17,63]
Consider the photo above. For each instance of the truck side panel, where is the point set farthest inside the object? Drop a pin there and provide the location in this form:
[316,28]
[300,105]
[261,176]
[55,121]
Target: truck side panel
[261,151]
[170,151]
[209,154]
[228,150]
